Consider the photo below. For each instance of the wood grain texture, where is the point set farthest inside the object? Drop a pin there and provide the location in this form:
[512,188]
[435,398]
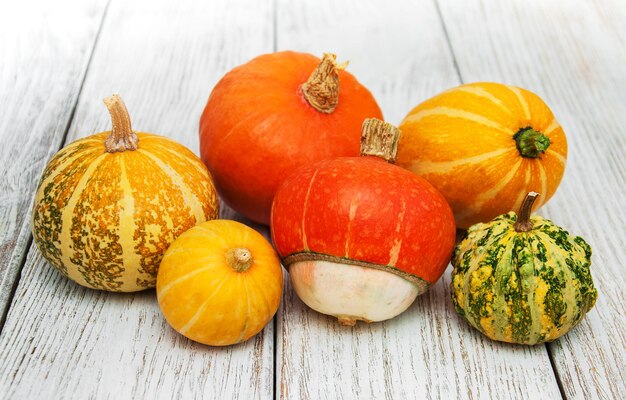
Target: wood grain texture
[42,63]
[65,341]
[399,51]
[573,56]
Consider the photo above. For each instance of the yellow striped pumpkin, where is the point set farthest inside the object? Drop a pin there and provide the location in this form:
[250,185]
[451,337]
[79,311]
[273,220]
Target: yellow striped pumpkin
[109,205]
[484,146]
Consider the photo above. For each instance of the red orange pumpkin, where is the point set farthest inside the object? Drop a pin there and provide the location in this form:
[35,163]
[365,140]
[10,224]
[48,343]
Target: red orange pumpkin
[361,236]
[276,113]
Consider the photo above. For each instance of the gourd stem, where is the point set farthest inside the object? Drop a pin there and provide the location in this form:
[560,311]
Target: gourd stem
[122,137]
[346,320]
[239,259]
[380,139]
[531,143]
[524,224]
[321,90]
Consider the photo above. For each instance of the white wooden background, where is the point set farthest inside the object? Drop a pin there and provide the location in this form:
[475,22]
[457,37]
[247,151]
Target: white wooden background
[59,59]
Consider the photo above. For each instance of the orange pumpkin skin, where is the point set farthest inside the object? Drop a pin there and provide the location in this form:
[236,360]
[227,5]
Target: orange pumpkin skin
[205,298]
[365,209]
[462,141]
[257,128]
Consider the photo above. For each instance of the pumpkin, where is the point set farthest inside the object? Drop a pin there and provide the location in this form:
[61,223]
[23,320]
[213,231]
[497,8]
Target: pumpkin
[362,237]
[484,146]
[522,280]
[274,114]
[219,283]
[109,205]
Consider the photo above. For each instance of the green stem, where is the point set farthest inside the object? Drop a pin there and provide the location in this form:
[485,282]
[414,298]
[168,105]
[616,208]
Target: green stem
[531,143]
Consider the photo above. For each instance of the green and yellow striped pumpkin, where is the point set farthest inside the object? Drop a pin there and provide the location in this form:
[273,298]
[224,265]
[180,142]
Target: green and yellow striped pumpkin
[522,280]
[109,205]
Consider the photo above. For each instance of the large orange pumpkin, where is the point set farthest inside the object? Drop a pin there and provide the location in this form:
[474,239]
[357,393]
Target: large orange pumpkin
[219,283]
[276,113]
[109,205]
[484,146]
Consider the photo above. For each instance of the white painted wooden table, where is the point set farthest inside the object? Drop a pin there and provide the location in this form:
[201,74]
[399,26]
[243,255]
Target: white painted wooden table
[59,59]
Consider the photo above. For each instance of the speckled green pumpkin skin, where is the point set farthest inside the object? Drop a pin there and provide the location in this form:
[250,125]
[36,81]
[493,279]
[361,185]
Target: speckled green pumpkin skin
[522,287]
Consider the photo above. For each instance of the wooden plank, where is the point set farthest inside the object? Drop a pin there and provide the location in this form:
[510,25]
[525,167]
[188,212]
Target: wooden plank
[572,55]
[64,341]
[43,59]
[399,51]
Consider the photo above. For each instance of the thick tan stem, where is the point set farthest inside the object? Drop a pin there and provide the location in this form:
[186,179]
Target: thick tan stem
[380,139]
[321,90]
[524,224]
[239,259]
[122,137]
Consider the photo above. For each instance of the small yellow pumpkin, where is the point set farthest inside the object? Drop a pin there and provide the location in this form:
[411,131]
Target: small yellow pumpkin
[219,283]
[109,205]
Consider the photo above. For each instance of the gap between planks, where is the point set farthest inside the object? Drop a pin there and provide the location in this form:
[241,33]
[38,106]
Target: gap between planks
[315,353]
[239,21]
[462,81]
[17,274]
[455,63]
[571,56]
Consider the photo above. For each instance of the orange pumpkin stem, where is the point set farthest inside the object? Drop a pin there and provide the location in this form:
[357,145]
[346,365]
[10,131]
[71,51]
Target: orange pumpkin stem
[239,259]
[524,224]
[380,139]
[321,90]
[122,137]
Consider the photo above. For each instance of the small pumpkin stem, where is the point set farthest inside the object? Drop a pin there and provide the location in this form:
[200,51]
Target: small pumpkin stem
[321,90]
[346,320]
[531,143]
[349,320]
[122,137]
[524,224]
[239,259]
[380,139]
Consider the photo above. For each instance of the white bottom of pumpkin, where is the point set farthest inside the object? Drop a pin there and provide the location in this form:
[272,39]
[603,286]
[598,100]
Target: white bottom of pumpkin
[350,292]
